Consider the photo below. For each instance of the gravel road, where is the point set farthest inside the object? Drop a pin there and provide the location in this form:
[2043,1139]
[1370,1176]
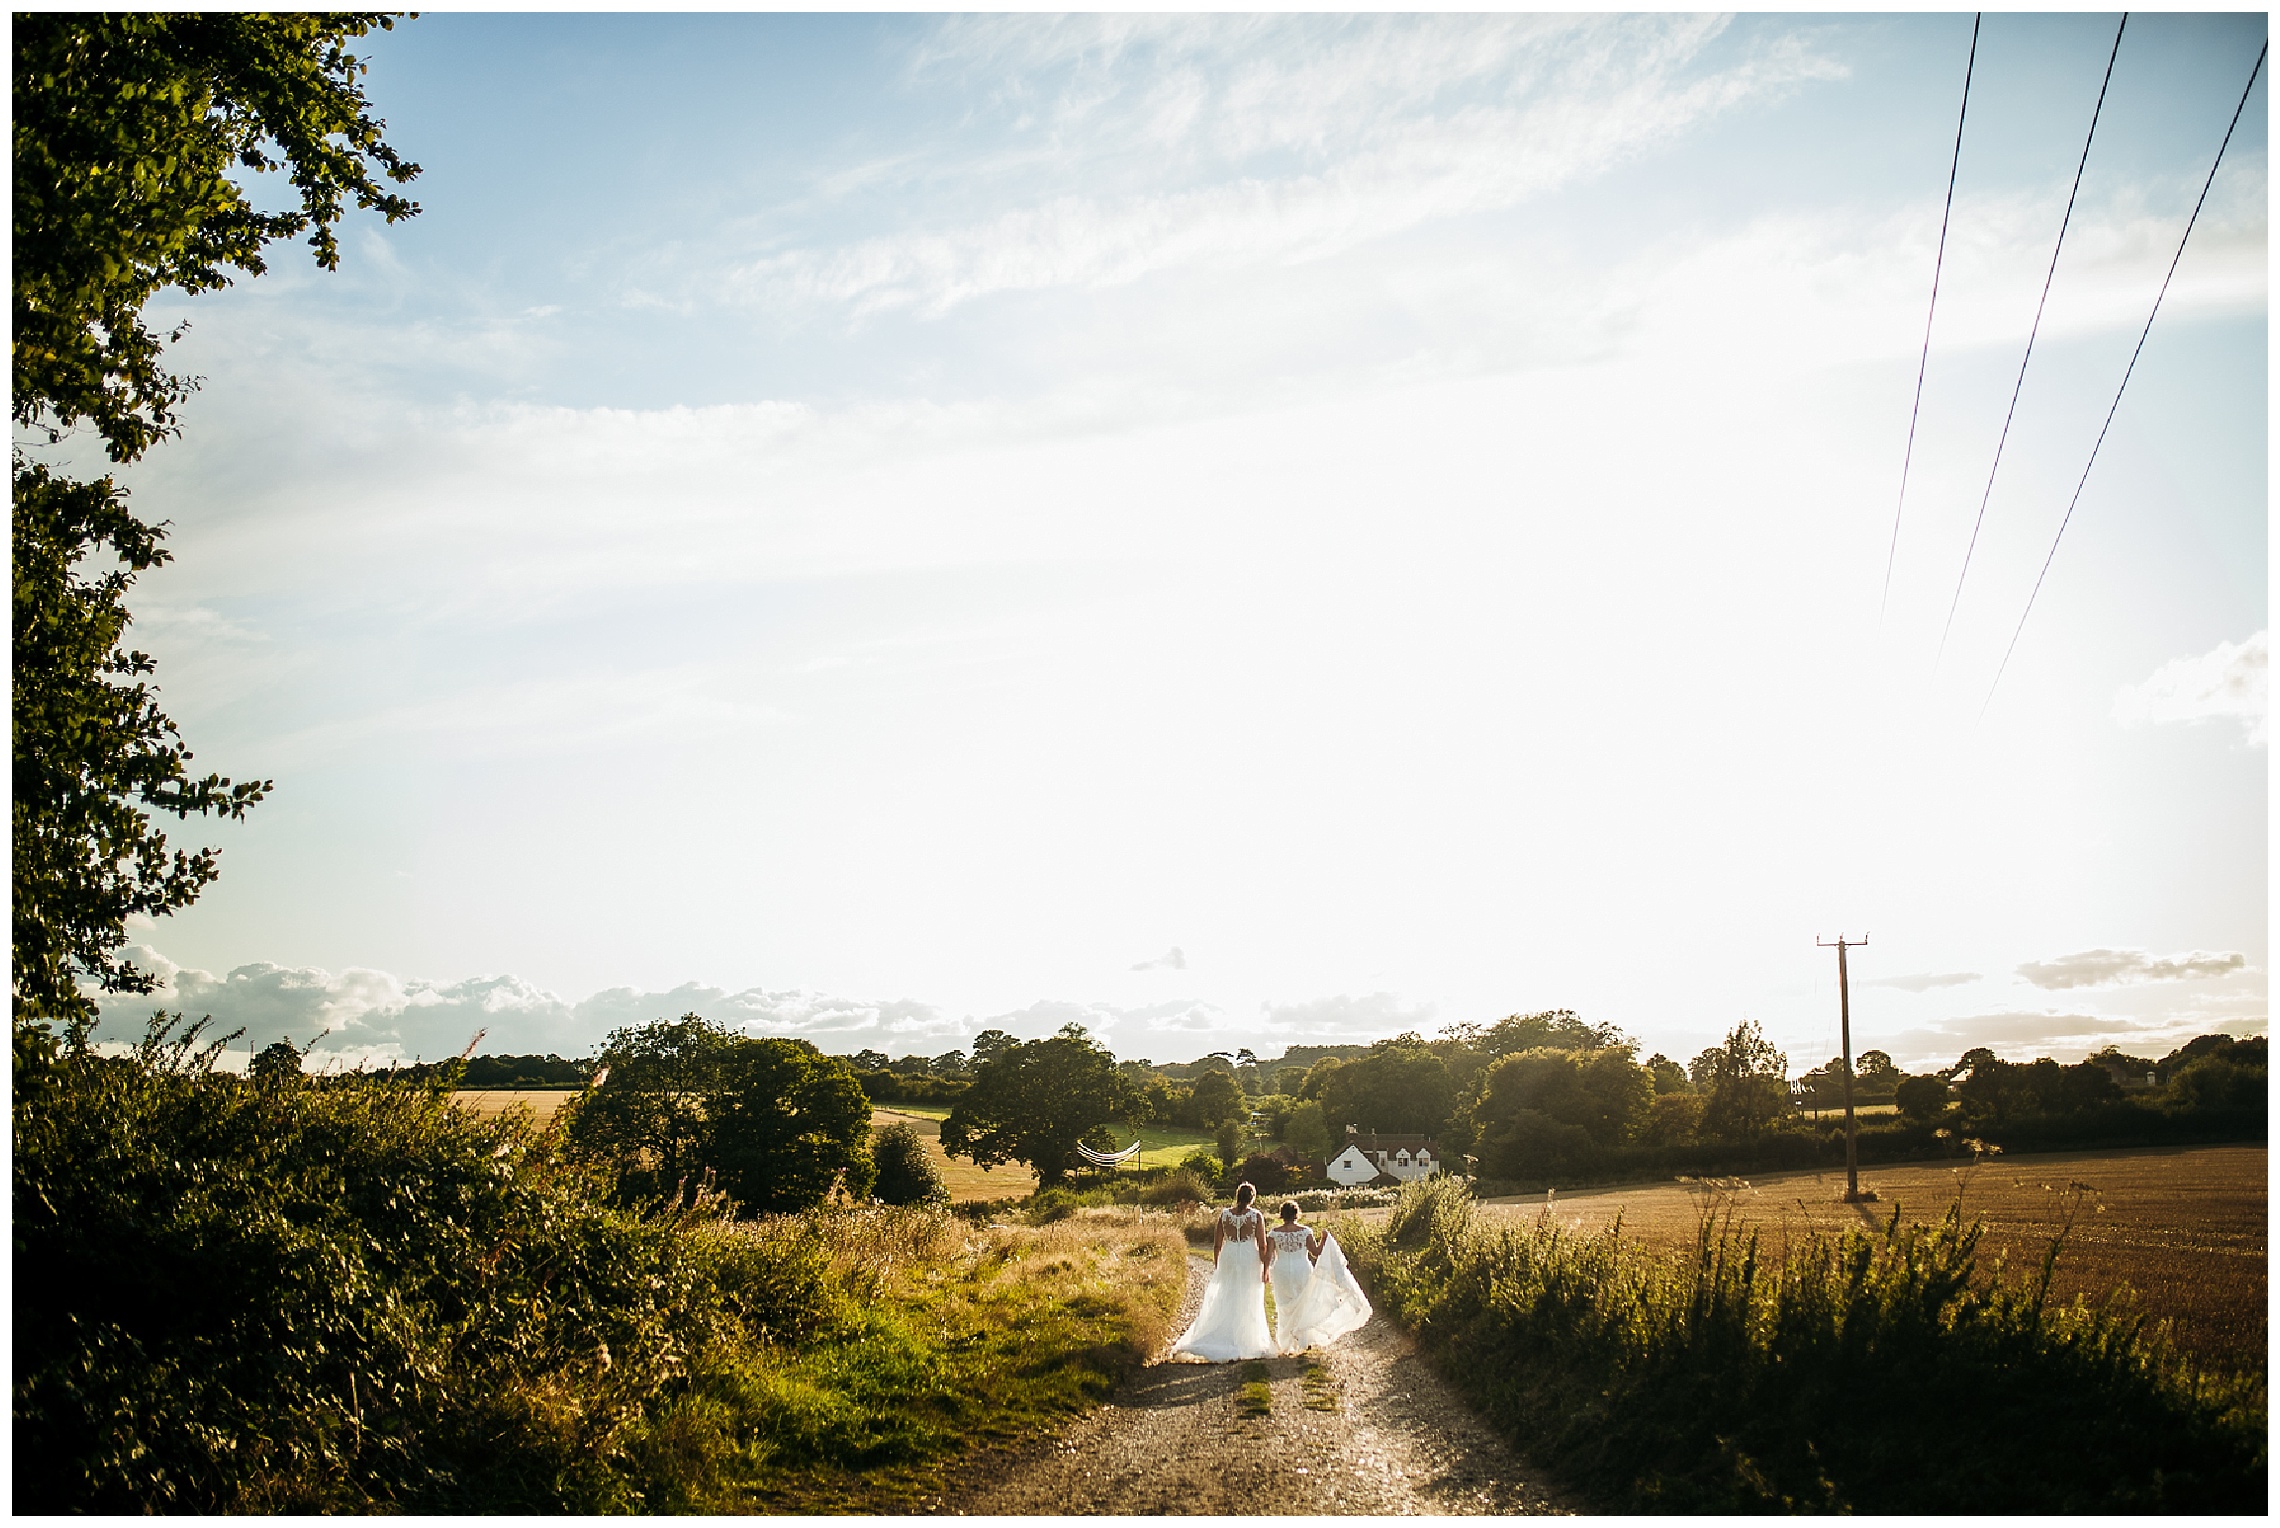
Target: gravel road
[1362,1427]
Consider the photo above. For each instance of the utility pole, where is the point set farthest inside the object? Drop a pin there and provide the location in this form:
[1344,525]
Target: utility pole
[1853,1194]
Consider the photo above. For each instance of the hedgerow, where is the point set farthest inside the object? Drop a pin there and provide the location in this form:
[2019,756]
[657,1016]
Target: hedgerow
[1862,1373]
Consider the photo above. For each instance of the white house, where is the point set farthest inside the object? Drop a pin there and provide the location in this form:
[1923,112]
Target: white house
[1402,1158]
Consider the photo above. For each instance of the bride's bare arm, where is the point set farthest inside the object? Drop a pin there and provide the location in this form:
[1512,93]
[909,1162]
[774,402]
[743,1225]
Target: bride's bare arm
[1218,1238]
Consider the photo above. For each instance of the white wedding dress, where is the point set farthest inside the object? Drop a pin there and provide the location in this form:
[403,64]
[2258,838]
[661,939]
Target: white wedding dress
[1315,1303]
[1233,1321]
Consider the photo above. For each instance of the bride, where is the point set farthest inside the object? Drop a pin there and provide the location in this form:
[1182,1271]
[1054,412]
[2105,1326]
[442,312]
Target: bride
[1316,1298]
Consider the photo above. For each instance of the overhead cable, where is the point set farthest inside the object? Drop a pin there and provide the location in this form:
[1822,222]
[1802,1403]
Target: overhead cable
[2031,333]
[1938,259]
[2253,72]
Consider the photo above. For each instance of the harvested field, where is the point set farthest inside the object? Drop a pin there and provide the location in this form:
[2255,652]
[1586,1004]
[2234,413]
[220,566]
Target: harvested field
[2183,1226]
[965,1181]
[542,1102]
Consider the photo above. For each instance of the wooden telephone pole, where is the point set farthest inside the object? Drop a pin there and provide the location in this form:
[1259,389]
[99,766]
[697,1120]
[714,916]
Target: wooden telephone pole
[1853,1195]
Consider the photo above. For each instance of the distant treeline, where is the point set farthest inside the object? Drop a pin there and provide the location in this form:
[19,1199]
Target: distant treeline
[507,1072]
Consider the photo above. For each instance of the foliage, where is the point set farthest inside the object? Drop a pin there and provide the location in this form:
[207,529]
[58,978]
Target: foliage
[1869,1372]
[1398,1089]
[1535,1110]
[1036,1101]
[906,1171]
[1668,1075]
[1272,1175]
[784,1123]
[1228,1139]
[132,133]
[772,1122]
[1182,1185]
[1203,1164]
[279,1061]
[1743,1079]
[1307,1132]
[1922,1098]
[1216,1099]
[646,1122]
[328,1297]
[94,756]
[1995,1092]
[892,1087]
[508,1071]
[352,1297]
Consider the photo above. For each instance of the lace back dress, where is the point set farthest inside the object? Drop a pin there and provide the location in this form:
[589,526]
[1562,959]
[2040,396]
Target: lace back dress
[1232,1323]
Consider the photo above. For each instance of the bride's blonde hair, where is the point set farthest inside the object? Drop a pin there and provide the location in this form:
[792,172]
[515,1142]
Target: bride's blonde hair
[1244,1194]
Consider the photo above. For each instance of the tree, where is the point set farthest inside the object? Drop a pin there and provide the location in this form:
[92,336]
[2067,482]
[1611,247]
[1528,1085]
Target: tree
[1553,1029]
[128,130]
[907,1174]
[279,1061]
[1307,1133]
[872,1060]
[647,1121]
[1218,1098]
[1540,1110]
[1669,1076]
[783,1122]
[1397,1088]
[991,1043]
[1034,1102]
[1228,1140]
[1921,1098]
[1874,1075]
[1746,1082]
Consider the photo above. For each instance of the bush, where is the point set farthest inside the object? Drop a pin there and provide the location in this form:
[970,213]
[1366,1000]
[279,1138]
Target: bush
[907,1174]
[1270,1175]
[1181,1185]
[1922,1098]
[1869,1372]
[1202,1163]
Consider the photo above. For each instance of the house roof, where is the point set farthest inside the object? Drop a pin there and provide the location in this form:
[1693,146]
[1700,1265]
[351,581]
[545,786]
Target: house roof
[1393,1143]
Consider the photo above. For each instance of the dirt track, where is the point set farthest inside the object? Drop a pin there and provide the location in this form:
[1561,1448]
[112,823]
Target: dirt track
[1372,1431]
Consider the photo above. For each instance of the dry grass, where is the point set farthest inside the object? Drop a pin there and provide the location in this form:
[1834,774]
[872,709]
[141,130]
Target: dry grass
[488,1103]
[2184,1227]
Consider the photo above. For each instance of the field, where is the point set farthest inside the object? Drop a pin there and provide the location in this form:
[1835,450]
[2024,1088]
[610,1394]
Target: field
[487,1102]
[964,1180]
[2184,1227]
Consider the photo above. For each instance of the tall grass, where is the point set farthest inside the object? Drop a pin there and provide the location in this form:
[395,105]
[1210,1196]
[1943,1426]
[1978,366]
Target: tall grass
[350,1296]
[1855,1373]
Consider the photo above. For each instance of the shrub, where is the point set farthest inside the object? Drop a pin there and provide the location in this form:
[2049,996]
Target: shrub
[337,1297]
[1202,1163]
[907,1174]
[1868,1372]
[1922,1098]
[1182,1185]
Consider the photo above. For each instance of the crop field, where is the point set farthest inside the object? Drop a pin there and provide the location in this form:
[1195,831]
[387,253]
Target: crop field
[2183,1226]
[489,1101]
[964,1180]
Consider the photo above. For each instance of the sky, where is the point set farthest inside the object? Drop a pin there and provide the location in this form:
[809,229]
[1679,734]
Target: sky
[1239,532]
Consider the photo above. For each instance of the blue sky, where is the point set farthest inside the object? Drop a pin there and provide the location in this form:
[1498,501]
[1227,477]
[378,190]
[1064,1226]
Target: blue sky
[879,527]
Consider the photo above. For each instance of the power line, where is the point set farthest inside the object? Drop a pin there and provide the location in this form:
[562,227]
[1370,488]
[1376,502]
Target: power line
[2031,333]
[2253,72]
[1938,259]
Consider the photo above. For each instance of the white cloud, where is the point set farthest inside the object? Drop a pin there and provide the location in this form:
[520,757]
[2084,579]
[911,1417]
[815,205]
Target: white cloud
[2230,682]
[1375,1016]
[1924,982]
[1392,125]
[1172,959]
[2100,968]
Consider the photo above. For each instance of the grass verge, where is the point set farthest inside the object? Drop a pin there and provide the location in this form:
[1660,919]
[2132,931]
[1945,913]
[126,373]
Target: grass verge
[944,1338]
[1862,1372]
